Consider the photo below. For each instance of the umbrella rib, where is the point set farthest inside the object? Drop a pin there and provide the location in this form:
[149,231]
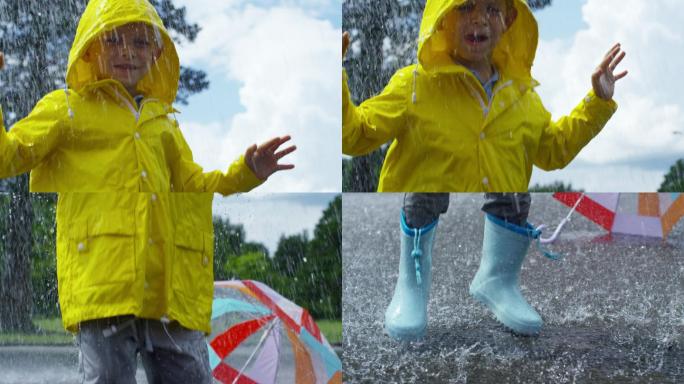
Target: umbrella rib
[560,225]
[263,339]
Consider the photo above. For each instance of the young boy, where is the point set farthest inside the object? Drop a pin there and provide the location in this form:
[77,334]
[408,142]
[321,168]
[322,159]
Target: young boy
[134,262]
[466,118]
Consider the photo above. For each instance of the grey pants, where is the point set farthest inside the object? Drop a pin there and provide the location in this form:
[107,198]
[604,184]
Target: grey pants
[421,209]
[170,353]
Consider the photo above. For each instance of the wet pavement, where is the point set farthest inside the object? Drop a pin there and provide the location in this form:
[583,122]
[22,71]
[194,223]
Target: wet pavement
[613,308]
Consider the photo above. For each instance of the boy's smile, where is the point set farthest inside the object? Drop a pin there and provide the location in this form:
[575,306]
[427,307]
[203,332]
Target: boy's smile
[125,54]
[480,24]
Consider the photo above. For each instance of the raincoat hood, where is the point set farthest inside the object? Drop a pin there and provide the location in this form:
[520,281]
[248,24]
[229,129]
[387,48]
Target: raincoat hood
[513,55]
[104,15]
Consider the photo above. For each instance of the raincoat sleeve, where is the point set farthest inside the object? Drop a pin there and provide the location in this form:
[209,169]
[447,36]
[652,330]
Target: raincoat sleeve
[377,120]
[32,139]
[188,176]
[562,140]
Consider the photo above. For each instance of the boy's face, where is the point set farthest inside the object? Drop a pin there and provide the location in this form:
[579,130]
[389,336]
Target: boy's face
[125,53]
[479,26]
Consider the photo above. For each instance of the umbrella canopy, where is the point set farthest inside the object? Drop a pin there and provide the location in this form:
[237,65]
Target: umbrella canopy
[645,214]
[258,336]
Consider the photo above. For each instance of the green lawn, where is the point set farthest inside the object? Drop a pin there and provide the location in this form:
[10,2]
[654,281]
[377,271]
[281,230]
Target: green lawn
[50,332]
[332,329]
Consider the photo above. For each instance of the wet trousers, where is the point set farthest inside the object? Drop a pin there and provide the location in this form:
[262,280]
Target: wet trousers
[170,353]
[421,209]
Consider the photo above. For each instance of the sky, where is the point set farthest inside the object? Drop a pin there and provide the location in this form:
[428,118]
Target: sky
[266,217]
[646,135]
[273,68]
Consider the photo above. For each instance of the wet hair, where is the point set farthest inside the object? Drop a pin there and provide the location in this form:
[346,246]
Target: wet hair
[509,6]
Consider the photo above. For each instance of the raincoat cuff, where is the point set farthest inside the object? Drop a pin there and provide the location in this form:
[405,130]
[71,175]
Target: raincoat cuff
[598,106]
[247,180]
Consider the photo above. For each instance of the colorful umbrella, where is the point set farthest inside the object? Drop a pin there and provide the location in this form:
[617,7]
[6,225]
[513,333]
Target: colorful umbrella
[645,214]
[258,336]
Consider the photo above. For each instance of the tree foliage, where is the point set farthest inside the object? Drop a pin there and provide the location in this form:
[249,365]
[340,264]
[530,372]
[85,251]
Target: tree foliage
[556,186]
[306,270]
[674,179]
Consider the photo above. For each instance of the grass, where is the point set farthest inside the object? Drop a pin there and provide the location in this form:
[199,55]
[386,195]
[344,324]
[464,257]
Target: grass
[49,332]
[332,329]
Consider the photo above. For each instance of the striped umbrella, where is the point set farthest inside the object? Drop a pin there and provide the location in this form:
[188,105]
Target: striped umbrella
[644,214]
[258,336]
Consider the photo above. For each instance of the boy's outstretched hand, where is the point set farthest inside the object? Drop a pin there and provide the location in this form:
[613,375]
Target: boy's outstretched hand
[603,80]
[263,160]
[2,60]
[345,43]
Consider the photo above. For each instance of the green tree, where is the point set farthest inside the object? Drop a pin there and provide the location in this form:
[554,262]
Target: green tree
[321,275]
[674,179]
[291,253]
[556,186]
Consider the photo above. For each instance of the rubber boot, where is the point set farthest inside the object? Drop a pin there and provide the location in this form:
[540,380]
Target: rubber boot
[406,316]
[496,282]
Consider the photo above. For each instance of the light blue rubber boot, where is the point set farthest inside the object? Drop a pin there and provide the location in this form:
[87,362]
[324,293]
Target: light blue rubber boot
[496,282]
[406,316]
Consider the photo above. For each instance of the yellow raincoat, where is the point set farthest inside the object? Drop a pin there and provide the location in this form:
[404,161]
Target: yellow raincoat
[125,245]
[447,136]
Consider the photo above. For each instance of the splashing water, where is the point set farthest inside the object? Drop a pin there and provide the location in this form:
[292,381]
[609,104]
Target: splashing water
[612,309]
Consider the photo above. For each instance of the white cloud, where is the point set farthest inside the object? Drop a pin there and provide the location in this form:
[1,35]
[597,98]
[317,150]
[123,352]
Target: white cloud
[287,63]
[651,108]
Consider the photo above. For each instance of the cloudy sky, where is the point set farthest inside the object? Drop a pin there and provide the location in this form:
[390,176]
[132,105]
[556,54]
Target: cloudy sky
[266,217]
[274,70]
[646,135]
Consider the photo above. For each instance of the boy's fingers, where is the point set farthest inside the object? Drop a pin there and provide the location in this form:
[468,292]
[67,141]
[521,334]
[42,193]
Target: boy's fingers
[249,153]
[610,55]
[285,152]
[2,60]
[621,75]
[345,43]
[282,167]
[282,140]
[617,61]
[271,143]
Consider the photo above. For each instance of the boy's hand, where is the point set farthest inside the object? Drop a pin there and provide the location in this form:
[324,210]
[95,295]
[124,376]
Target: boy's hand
[345,44]
[603,80]
[263,160]
[2,60]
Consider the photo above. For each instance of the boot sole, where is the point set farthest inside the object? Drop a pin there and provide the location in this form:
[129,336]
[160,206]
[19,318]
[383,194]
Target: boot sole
[525,329]
[405,335]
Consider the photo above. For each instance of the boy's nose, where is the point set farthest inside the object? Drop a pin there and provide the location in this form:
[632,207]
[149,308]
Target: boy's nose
[478,16]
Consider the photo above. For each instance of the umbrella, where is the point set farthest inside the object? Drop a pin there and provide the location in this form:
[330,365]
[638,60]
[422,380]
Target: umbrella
[258,336]
[645,214]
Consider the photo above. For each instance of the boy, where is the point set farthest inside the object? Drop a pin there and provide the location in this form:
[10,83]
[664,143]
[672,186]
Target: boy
[134,262]
[466,118]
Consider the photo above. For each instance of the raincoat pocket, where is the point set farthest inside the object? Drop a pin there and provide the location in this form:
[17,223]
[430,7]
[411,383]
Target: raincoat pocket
[193,265]
[102,250]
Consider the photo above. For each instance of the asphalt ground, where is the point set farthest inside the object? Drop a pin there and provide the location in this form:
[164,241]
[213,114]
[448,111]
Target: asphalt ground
[613,308]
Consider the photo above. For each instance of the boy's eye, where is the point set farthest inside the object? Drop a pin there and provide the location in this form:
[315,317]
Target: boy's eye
[493,10]
[467,7]
[140,43]
[111,40]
